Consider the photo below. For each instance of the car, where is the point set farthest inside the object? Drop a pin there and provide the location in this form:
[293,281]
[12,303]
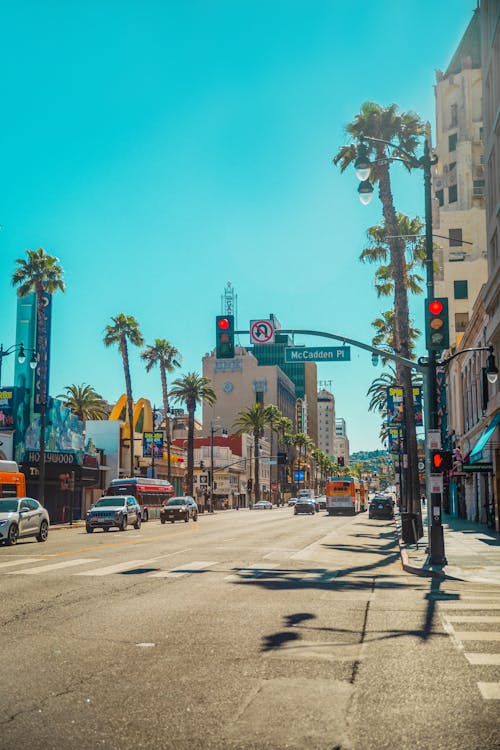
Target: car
[180,508]
[292,501]
[381,506]
[321,500]
[263,505]
[113,511]
[21,517]
[304,505]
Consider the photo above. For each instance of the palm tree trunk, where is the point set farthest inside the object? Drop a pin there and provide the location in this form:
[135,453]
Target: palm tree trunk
[191,405]
[257,465]
[130,408]
[163,375]
[402,329]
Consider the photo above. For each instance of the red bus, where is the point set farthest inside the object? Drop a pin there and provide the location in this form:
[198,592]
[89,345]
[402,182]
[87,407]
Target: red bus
[149,493]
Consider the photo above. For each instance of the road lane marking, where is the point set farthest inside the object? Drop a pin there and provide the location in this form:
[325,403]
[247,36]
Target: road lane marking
[478,635]
[117,568]
[183,570]
[98,548]
[490,690]
[482,659]
[472,618]
[467,605]
[258,570]
[28,560]
[52,566]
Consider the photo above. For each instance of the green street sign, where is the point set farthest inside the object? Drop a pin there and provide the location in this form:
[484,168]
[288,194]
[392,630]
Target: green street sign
[317,354]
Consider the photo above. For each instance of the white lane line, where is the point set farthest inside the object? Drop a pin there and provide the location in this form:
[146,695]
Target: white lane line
[482,659]
[53,566]
[472,618]
[183,570]
[11,563]
[258,570]
[118,568]
[478,635]
[467,605]
[490,690]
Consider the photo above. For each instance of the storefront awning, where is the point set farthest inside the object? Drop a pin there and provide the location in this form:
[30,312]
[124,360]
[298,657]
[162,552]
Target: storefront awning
[476,453]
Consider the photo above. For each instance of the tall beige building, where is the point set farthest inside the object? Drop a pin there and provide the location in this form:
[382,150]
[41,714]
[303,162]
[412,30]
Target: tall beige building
[326,422]
[459,182]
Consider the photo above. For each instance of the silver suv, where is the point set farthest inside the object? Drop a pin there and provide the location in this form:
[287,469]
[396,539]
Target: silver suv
[117,511]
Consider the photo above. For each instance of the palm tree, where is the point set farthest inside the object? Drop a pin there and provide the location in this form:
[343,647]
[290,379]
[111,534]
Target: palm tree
[125,328]
[254,420]
[403,129]
[304,443]
[85,402]
[165,355]
[41,274]
[385,328]
[192,389]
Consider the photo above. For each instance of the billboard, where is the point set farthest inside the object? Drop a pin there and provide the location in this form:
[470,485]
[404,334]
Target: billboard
[150,439]
[298,476]
[7,409]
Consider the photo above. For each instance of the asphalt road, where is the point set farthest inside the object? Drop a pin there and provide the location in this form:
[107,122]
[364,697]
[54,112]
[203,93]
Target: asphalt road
[248,629]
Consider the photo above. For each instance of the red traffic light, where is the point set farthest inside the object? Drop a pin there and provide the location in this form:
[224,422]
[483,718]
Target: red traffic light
[223,323]
[435,307]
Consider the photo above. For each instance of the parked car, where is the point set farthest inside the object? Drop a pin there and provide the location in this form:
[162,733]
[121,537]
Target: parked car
[117,511]
[292,501]
[304,505]
[321,500]
[381,506]
[21,517]
[180,508]
[263,505]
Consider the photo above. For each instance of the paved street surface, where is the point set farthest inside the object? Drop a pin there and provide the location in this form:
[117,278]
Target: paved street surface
[246,630]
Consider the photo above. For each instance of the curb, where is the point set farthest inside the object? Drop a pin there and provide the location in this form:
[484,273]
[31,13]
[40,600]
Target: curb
[424,572]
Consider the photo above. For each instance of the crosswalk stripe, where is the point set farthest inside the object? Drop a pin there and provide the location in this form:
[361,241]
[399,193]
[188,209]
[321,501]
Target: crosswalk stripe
[52,566]
[478,635]
[11,563]
[481,659]
[183,570]
[472,618]
[490,690]
[117,568]
[467,605]
[256,570]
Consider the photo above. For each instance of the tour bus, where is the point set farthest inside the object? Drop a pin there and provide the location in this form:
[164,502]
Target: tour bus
[149,493]
[12,481]
[345,495]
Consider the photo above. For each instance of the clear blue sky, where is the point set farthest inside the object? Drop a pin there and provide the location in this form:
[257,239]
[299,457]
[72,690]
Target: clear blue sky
[160,149]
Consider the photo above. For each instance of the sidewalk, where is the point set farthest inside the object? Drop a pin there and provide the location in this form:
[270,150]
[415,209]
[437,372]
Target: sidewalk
[471,549]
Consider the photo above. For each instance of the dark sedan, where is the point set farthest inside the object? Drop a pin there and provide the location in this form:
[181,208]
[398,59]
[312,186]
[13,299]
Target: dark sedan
[381,506]
[179,509]
[304,505]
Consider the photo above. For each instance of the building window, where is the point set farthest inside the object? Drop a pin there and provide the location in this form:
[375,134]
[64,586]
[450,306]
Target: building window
[452,142]
[494,249]
[455,236]
[453,116]
[461,320]
[478,188]
[460,289]
[452,194]
[440,197]
[259,397]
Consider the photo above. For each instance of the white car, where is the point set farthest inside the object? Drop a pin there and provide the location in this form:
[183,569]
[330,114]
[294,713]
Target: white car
[263,505]
[21,517]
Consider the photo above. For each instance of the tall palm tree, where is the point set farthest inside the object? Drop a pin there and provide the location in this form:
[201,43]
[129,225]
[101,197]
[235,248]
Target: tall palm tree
[125,328]
[385,333]
[304,443]
[41,274]
[192,389]
[167,357]
[403,129]
[254,420]
[85,402]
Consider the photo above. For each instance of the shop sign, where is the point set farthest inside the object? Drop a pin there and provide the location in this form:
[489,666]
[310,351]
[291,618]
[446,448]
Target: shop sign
[33,457]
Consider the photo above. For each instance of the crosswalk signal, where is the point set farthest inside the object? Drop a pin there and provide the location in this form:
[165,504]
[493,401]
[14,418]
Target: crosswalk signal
[224,336]
[340,460]
[441,461]
[437,325]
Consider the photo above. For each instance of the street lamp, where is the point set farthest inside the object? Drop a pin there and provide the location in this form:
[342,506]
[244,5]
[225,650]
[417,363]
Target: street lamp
[213,430]
[21,357]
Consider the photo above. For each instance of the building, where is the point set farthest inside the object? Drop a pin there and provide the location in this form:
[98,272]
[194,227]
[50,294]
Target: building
[459,182]
[341,440]
[326,423]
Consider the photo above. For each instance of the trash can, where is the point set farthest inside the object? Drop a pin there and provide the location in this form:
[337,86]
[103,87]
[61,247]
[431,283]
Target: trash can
[411,527]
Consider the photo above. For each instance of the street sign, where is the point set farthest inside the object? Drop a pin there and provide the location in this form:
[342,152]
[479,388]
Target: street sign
[317,354]
[436,483]
[434,440]
[261,332]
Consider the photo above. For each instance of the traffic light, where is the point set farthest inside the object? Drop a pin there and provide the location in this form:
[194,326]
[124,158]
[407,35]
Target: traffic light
[340,460]
[224,336]
[441,461]
[437,326]
[249,484]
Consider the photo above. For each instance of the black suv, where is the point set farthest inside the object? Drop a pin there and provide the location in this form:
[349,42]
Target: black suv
[381,506]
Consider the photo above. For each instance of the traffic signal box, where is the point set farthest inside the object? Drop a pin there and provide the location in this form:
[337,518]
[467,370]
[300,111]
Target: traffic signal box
[224,336]
[437,326]
[441,461]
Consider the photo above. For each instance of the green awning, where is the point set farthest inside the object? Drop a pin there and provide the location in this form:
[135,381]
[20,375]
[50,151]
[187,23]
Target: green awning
[476,453]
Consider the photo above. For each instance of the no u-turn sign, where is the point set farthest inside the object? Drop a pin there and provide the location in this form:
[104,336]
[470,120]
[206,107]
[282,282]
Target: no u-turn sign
[261,332]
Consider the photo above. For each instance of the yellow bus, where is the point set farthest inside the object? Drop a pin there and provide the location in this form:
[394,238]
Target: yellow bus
[12,481]
[345,495]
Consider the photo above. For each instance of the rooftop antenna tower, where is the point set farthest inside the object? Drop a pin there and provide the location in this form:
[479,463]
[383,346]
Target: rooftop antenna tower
[229,304]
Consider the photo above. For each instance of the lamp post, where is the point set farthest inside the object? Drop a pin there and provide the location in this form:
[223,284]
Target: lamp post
[21,357]
[425,162]
[213,430]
